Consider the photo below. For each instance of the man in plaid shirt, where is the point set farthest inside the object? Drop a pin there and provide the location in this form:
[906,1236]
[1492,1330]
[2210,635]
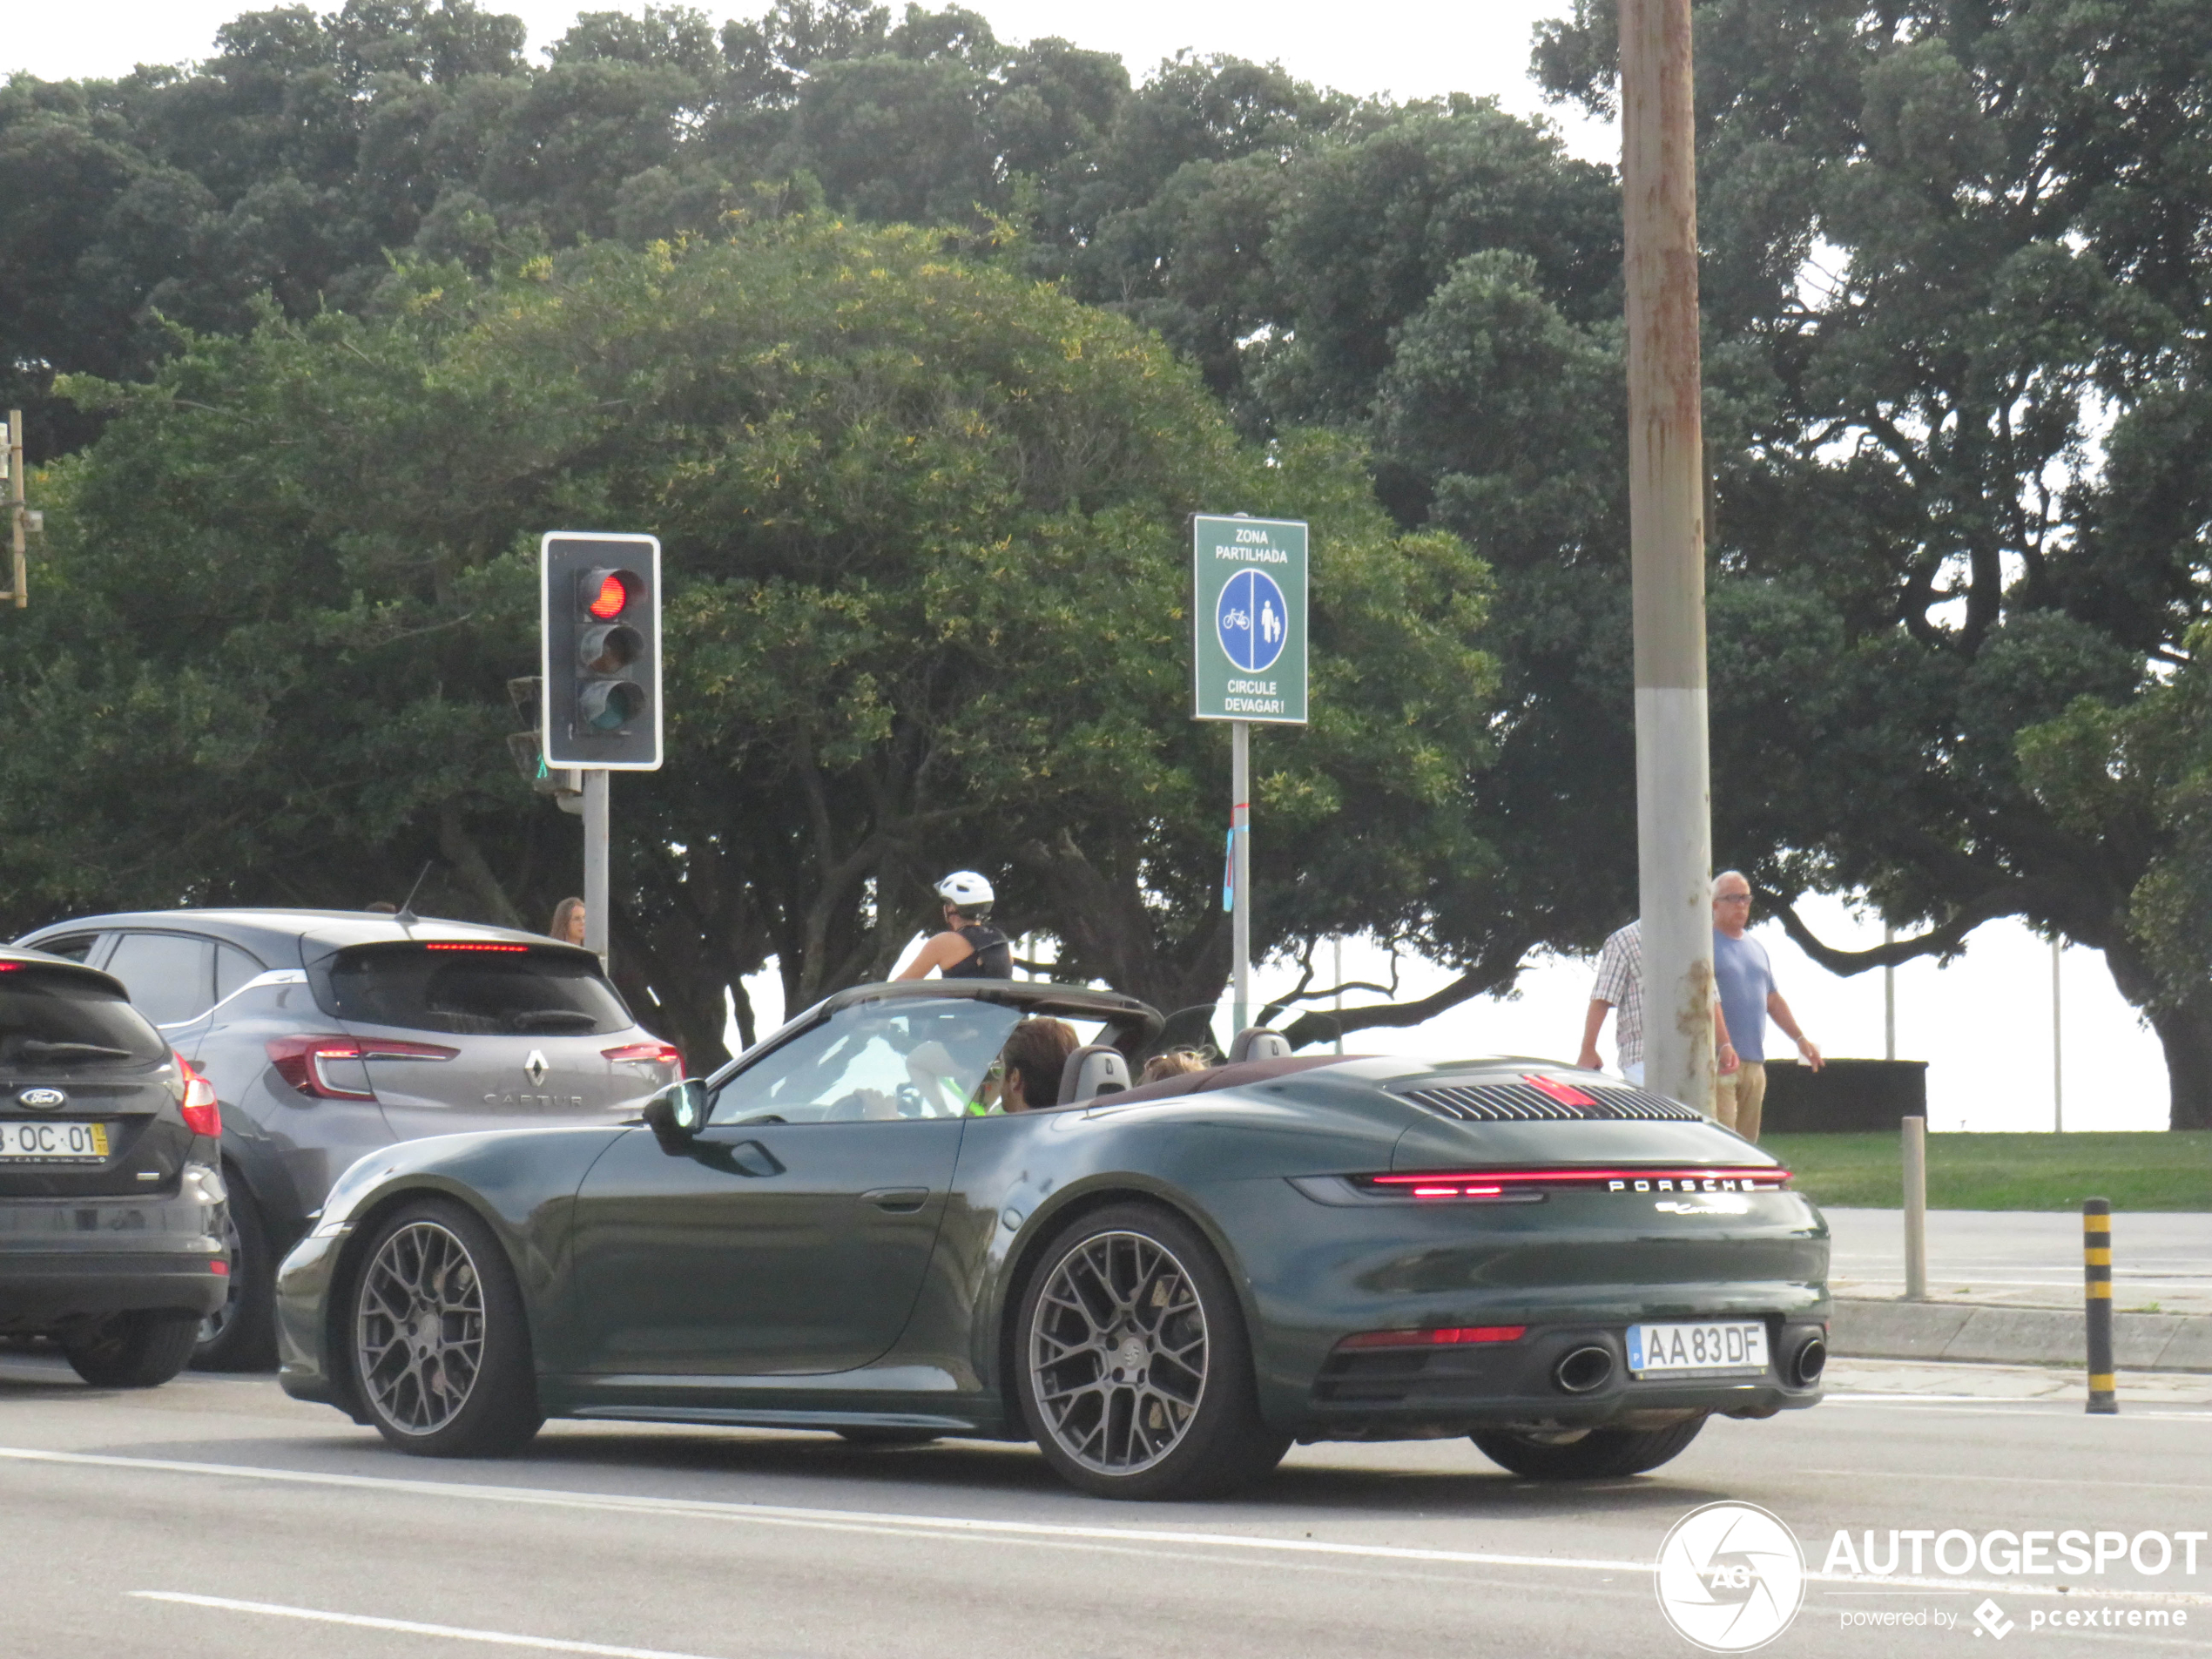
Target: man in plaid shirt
[1619,985]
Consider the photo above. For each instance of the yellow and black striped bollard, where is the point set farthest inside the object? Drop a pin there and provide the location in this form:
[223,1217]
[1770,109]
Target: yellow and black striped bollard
[2096,1291]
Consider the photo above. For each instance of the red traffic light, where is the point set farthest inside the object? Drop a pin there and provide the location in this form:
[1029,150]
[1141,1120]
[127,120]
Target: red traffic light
[606,593]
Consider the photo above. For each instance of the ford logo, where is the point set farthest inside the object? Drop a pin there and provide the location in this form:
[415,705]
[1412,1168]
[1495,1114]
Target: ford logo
[43,1100]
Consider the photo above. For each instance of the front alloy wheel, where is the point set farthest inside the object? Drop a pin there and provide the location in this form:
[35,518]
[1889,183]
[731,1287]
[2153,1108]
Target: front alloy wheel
[440,1355]
[1135,1373]
[421,1331]
[1117,1353]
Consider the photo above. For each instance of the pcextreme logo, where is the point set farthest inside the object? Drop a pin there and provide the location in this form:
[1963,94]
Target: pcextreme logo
[1731,1577]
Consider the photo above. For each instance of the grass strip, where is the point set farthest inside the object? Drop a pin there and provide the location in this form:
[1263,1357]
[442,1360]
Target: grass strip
[2159,1170]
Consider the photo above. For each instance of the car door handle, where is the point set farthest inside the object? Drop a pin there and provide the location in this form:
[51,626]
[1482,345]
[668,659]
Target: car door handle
[899,1201]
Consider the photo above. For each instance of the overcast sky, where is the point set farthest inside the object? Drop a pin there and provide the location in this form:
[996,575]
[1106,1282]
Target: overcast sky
[1984,1024]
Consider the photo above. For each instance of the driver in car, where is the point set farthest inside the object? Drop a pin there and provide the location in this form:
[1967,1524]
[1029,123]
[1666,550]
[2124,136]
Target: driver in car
[1035,1053]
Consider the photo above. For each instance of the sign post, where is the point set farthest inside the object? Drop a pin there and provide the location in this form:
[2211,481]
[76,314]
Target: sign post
[1248,610]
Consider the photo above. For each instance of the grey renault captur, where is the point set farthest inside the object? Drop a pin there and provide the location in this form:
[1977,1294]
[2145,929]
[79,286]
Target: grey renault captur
[111,1233]
[329,1034]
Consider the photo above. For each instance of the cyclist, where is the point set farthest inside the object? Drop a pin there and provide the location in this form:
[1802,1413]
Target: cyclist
[969,947]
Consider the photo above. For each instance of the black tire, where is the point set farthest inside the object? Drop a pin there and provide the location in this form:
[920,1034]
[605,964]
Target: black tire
[445,1371]
[869,1436]
[1601,1454]
[141,1350]
[241,1334]
[1155,1428]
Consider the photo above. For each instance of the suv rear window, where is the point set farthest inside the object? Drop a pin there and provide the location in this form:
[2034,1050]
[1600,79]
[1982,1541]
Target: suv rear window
[50,1018]
[475,991]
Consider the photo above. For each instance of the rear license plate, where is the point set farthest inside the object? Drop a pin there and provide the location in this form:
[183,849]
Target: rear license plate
[1737,1346]
[54,1142]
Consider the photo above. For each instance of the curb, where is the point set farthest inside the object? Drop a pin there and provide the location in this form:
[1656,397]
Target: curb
[1980,1330]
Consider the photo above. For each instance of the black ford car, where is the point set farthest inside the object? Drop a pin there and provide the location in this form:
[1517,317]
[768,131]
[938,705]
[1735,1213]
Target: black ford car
[111,1198]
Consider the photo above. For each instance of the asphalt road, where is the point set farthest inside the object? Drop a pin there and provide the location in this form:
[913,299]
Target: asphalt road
[298,1533]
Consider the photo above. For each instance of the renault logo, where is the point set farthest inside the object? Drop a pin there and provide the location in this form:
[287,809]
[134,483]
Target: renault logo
[535,1068]
[43,1100]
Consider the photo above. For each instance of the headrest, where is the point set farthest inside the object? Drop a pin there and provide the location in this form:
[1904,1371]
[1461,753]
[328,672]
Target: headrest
[1257,1042]
[1091,1071]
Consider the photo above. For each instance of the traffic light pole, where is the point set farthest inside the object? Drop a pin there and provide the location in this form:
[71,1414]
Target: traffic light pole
[594,861]
[1666,548]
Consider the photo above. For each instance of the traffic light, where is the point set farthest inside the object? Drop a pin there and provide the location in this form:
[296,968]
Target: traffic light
[599,624]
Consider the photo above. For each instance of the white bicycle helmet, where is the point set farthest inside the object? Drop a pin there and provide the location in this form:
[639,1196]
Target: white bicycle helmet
[967,893]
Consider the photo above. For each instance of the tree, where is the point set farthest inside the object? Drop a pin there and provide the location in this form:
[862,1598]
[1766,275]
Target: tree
[927,575]
[1956,316]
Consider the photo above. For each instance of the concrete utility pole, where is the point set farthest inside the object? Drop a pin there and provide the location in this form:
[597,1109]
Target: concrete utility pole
[2058,1046]
[1667,546]
[18,515]
[1889,999]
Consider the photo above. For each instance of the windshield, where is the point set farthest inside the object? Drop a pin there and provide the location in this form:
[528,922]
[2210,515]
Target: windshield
[475,991]
[878,1060]
[61,1019]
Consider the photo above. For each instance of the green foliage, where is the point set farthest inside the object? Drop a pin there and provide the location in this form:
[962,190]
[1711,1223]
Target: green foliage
[929,579]
[292,159]
[1955,309]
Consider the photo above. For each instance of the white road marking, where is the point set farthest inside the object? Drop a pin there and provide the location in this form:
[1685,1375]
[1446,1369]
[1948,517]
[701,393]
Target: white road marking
[948,1527]
[410,1627]
[2013,1479]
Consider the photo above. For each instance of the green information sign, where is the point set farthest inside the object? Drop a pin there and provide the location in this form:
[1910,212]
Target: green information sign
[1248,620]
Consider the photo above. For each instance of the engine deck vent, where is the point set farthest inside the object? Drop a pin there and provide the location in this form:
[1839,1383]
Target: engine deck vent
[1550,1099]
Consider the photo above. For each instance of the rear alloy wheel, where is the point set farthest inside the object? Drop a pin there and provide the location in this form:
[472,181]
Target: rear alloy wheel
[241,1334]
[1134,1370]
[141,1350]
[439,1347]
[1601,1454]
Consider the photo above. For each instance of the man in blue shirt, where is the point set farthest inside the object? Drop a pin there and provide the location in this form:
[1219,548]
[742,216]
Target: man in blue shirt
[1745,980]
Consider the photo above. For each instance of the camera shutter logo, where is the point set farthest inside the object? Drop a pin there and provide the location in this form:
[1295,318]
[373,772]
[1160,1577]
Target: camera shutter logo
[1731,1577]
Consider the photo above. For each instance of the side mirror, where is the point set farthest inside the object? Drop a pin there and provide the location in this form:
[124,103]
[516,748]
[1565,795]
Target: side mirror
[678,1114]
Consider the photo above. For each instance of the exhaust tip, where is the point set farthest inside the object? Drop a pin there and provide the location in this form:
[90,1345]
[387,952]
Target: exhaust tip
[1584,1371]
[1811,1358]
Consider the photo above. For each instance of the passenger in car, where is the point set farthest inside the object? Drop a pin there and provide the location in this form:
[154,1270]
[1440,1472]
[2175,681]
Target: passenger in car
[1175,1063]
[1035,1053]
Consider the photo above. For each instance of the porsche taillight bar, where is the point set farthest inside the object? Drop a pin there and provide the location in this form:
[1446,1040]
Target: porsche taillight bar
[1493,1184]
[1449,1336]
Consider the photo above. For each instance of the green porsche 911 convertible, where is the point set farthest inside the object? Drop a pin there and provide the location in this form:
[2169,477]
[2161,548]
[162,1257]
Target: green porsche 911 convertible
[1162,1286]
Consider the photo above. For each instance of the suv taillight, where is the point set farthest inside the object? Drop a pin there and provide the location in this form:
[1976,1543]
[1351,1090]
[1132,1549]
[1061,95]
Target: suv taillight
[202,1115]
[298,1061]
[658,1053]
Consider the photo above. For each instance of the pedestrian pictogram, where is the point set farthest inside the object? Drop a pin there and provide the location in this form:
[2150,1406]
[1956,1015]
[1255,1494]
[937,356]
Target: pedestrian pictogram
[1252,620]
